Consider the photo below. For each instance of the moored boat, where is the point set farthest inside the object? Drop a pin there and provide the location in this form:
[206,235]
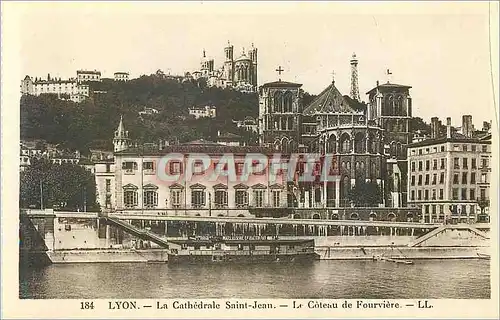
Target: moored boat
[241,250]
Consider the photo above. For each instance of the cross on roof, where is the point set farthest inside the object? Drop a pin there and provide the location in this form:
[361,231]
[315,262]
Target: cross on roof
[333,76]
[279,70]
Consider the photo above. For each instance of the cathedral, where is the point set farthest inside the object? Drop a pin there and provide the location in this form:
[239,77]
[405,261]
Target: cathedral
[239,73]
[367,140]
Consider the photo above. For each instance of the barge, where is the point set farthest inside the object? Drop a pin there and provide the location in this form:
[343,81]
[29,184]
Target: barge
[241,250]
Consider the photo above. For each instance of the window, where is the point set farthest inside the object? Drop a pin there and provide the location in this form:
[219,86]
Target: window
[413,195]
[441,208]
[419,151]
[456,164]
[426,179]
[483,178]
[442,163]
[473,178]
[175,167]
[442,148]
[473,147]
[464,194]
[426,195]
[472,209]
[463,209]
[276,198]
[434,164]
[484,163]
[129,166]
[484,148]
[464,147]
[198,198]
[464,177]
[434,178]
[258,198]
[220,198]
[473,163]
[108,185]
[472,194]
[241,198]
[420,166]
[483,194]
[108,167]
[198,167]
[441,178]
[412,166]
[464,163]
[239,166]
[419,194]
[426,207]
[148,166]
[175,198]
[150,198]
[455,178]
[130,198]
[412,180]
[433,209]
[427,165]
[419,179]
[454,194]
[433,194]
[441,193]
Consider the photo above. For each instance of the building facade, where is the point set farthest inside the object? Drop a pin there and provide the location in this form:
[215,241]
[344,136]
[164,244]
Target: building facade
[449,176]
[88,75]
[121,76]
[203,112]
[65,89]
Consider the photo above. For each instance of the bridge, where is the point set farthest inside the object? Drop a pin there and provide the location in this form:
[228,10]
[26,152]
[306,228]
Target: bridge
[242,220]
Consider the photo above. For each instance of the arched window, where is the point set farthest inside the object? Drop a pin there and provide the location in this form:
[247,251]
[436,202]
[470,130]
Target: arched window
[331,146]
[399,106]
[359,143]
[278,102]
[345,143]
[287,102]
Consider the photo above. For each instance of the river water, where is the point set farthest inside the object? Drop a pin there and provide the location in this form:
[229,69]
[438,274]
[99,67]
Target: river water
[461,279]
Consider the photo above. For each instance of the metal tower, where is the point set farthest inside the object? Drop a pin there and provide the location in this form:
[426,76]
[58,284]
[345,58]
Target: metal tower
[354,78]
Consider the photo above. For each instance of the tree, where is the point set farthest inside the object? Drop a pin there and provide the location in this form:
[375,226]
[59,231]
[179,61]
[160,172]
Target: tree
[365,194]
[65,186]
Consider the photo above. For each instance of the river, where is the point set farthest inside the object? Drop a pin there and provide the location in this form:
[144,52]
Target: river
[460,279]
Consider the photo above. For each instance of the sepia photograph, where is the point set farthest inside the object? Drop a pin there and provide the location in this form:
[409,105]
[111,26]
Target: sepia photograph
[209,150]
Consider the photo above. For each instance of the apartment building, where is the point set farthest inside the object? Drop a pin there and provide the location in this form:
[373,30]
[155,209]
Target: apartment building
[449,176]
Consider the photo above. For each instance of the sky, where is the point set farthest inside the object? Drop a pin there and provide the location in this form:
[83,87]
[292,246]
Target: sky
[440,49]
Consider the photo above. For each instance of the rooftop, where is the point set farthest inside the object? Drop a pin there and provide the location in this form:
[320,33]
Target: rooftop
[389,86]
[282,84]
[332,101]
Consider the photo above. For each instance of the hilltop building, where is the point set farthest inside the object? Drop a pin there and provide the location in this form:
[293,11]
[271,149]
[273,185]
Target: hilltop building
[69,89]
[121,76]
[239,73]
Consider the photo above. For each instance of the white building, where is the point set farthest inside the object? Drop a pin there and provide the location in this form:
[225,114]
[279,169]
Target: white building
[203,112]
[86,75]
[65,89]
[449,176]
[121,76]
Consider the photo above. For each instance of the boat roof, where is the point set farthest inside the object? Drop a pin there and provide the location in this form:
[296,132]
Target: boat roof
[240,241]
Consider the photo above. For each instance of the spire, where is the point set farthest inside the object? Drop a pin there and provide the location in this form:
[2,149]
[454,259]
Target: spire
[204,55]
[354,78]
[120,132]
[333,77]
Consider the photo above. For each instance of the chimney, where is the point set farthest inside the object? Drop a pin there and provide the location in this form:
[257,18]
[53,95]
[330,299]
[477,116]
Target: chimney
[160,145]
[377,83]
[467,126]
[434,127]
[448,128]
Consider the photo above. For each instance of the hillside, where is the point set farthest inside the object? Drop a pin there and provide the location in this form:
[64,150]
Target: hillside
[91,124]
